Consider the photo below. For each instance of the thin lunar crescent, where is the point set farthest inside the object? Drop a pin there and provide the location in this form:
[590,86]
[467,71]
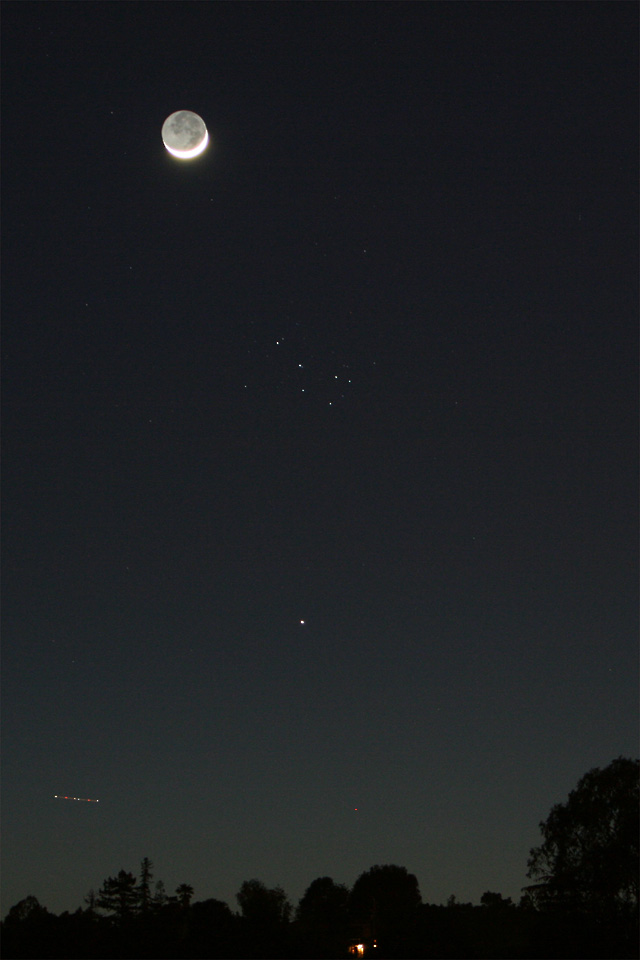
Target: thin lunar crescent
[184,134]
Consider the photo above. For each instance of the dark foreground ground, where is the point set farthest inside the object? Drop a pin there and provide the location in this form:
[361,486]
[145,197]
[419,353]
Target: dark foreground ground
[209,930]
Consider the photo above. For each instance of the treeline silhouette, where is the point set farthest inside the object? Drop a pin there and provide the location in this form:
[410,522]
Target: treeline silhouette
[583,904]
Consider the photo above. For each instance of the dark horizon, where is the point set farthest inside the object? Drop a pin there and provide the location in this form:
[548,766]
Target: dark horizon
[320,450]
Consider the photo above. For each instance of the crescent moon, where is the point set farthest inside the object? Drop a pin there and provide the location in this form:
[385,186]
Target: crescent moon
[185,135]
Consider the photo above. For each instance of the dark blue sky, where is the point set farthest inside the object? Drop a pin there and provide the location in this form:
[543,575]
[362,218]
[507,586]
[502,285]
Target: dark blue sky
[368,363]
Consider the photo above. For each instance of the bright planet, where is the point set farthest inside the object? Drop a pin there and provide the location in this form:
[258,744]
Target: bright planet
[184,134]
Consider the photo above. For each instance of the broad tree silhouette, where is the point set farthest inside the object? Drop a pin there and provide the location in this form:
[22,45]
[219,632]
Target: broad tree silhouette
[589,858]
[384,901]
[322,920]
[263,907]
[587,866]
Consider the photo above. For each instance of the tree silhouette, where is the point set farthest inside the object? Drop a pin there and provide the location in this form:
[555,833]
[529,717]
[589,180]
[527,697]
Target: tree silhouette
[384,902]
[144,887]
[589,858]
[495,901]
[385,894]
[264,926]
[322,919]
[263,907]
[212,929]
[26,929]
[324,904]
[91,902]
[159,898]
[119,896]
[184,894]
[29,910]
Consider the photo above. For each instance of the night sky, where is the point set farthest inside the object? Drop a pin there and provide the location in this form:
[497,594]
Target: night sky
[320,450]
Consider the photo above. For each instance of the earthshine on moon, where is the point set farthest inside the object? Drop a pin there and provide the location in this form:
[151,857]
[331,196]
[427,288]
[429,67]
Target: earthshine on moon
[184,134]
